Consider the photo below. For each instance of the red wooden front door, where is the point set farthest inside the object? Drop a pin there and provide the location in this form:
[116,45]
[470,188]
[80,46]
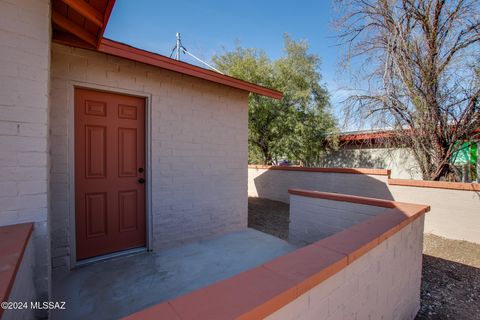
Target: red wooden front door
[109,172]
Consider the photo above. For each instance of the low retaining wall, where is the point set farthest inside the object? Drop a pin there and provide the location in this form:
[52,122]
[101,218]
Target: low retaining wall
[455,206]
[371,269]
[17,272]
[273,182]
[382,284]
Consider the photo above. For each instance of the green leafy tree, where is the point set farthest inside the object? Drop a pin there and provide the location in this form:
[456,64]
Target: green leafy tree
[297,127]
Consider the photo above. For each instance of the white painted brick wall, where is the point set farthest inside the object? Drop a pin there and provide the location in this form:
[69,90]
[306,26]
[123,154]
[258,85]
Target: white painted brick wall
[382,284]
[199,147]
[24,87]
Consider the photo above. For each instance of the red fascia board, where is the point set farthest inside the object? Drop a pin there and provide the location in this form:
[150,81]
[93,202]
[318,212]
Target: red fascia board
[128,52]
[106,17]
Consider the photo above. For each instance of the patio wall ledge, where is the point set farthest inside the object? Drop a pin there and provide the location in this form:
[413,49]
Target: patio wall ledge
[454,205]
[284,281]
[435,184]
[379,172]
[16,269]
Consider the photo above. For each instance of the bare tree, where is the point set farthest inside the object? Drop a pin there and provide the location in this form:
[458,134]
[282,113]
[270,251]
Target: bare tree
[420,72]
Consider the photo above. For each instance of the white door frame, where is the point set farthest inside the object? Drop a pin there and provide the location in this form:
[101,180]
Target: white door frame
[71,165]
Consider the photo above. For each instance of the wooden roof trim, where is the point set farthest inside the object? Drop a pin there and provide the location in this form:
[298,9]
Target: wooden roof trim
[87,11]
[128,52]
[106,17]
[70,40]
[74,29]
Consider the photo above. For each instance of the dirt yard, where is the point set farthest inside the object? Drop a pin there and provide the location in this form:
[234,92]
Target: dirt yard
[451,269]
[450,279]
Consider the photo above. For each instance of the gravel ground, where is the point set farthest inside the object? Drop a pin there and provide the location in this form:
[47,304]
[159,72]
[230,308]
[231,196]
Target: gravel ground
[450,279]
[451,269]
[269,216]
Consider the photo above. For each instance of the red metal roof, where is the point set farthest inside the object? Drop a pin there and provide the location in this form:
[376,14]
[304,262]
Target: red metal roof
[81,23]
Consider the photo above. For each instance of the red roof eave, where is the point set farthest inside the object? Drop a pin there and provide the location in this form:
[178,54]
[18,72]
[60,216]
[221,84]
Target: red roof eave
[106,18]
[128,52]
[357,137]
[365,136]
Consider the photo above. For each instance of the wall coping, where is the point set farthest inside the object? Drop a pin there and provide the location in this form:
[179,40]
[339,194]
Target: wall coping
[462,186]
[13,242]
[344,198]
[380,172]
[257,293]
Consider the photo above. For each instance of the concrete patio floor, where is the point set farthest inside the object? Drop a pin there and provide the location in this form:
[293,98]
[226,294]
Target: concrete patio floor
[121,286]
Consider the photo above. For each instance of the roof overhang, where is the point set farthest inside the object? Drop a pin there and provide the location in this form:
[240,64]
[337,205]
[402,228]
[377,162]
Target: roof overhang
[81,23]
[128,52]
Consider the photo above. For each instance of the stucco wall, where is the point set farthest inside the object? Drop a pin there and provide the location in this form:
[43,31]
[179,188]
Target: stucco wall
[198,146]
[274,184]
[400,161]
[383,284]
[24,85]
[454,214]
[312,219]
[23,289]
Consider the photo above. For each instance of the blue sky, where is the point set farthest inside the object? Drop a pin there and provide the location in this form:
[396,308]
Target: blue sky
[210,27]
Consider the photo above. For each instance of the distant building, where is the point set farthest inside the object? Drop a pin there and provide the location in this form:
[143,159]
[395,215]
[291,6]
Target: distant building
[375,149]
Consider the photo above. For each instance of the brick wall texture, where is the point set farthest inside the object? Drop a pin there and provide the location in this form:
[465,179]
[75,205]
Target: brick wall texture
[198,147]
[382,284]
[24,85]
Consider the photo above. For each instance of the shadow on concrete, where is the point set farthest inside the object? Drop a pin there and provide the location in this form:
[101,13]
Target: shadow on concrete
[118,287]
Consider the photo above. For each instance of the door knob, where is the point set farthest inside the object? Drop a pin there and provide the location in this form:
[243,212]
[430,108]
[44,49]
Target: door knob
[141,180]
